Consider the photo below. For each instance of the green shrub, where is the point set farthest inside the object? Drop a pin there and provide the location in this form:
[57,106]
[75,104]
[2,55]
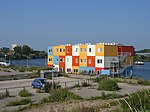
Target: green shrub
[47,87]
[108,85]
[58,95]
[84,84]
[24,93]
[19,102]
[2,95]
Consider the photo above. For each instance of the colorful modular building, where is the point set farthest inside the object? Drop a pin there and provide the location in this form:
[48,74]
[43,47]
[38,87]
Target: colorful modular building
[92,58]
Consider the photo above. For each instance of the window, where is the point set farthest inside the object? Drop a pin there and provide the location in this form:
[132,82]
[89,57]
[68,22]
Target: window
[50,50]
[84,60]
[80,49]
[63,50]
[61,59]
[57,59]
[75,70]
[67,50]
[60,50]
[84,49]
[81,60]
[76,49]
[57,50]
[90,50]
[89,61]
[67,59]
[99,49]
[99,60]
[76,60]
[50,59]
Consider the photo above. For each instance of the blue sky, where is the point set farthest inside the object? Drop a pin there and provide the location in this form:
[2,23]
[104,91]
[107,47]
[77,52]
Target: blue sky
[39,23]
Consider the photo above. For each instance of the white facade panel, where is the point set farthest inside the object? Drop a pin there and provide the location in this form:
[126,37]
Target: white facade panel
[56,67]
[90,50]
[108,59]
[68,64]
[99,61]
[75,50]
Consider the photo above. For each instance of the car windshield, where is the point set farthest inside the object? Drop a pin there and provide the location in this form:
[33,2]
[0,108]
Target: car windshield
[43,81]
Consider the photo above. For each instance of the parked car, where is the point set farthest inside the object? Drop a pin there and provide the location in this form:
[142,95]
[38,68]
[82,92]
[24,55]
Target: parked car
[39,83]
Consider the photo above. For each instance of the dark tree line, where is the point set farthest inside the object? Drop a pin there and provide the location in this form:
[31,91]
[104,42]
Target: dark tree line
[25,52]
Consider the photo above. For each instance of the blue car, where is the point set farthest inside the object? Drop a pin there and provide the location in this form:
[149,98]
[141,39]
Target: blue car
[38,83]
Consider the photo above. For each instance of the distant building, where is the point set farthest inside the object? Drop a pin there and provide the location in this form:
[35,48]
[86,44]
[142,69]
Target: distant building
[13,46]
[92,58]
[143,54]
[4,48]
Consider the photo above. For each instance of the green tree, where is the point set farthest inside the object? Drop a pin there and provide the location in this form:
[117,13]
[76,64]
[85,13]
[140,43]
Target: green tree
[26,49]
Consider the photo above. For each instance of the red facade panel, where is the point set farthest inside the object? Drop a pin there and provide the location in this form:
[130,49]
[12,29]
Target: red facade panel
[91,61]
[68,50]
[126,49]
[62,63]
[50,65]
[75,60]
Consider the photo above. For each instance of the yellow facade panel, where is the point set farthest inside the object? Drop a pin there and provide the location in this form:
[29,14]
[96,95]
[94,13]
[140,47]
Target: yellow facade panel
[99,50]
[83,60]
[75,69]
[83,50]
[50,60]
[59,51]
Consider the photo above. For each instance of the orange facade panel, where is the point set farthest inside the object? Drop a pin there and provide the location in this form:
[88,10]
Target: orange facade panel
[91,61]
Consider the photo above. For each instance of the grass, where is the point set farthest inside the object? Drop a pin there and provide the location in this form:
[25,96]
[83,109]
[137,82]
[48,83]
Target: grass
[136,102]
[106,96]
[19,102]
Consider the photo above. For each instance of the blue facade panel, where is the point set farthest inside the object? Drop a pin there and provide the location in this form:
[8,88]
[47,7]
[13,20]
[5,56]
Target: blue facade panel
[56,60]
[50,51]
[127,72]
[105,72]
[87,70]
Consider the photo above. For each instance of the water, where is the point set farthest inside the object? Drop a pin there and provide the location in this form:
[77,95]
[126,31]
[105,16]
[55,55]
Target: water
[33,62]
[138,70]
[142,70]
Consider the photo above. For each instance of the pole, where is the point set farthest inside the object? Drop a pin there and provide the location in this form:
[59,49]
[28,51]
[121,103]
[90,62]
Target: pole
[45,61]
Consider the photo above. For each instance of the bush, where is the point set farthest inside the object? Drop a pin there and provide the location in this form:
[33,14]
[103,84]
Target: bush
[60,95]
[84,84]
[24,93]
[19,102]
[108,85]
[2,95]
[47,87]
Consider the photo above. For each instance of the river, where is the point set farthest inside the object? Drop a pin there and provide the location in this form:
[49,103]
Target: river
[138,70]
